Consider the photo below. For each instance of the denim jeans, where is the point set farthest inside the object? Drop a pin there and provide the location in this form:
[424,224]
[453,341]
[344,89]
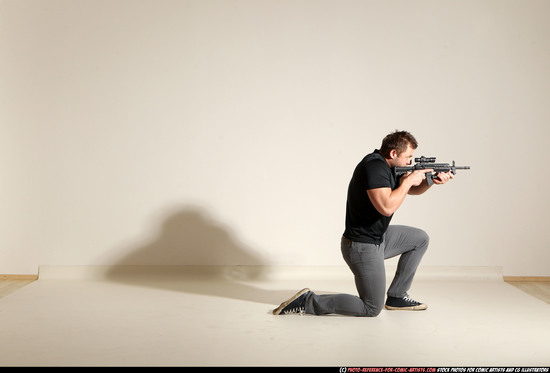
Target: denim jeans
[366,261]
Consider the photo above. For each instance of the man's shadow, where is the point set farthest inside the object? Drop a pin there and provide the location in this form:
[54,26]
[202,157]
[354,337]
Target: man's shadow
[193,253]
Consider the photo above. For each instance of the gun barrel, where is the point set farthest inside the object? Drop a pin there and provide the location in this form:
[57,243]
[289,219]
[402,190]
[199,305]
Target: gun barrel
[437,167]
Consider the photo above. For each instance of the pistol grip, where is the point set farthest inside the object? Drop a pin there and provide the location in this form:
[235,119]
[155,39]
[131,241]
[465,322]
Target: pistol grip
[429,179]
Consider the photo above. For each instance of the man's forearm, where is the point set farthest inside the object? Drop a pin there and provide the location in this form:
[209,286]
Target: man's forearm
[417,190]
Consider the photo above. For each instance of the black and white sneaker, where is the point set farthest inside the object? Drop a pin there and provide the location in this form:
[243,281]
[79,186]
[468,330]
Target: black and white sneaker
[294,305]
[405,304]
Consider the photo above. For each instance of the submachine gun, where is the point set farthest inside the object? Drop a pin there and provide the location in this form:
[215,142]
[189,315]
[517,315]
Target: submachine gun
[428,163]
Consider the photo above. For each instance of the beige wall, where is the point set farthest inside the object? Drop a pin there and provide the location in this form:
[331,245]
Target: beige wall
[225,132]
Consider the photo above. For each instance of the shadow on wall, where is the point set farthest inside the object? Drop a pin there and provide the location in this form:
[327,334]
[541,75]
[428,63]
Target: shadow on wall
[189,236]
[193,253]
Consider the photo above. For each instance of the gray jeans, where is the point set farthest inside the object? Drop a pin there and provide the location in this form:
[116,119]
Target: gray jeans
[366,261]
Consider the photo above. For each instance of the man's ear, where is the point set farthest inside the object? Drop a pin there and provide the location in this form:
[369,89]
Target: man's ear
[393,153]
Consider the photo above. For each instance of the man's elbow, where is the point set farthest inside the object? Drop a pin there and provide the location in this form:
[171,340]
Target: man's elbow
[384,209]
[387,212]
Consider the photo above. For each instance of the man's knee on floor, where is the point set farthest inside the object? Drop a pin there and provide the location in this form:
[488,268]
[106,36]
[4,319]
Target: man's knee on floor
[376,311]
[372,309]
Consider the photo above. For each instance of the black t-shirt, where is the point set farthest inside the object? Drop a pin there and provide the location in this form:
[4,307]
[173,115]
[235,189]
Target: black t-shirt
[363,222]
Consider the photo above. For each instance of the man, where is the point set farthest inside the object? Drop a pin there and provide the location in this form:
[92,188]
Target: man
[374,194]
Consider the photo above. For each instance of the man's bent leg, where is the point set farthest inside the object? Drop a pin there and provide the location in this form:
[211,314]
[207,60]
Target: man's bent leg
[366,261]
[340,304]
[411,243]
[367,264]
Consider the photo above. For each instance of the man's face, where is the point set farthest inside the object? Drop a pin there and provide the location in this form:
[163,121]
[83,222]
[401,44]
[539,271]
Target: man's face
[404,159]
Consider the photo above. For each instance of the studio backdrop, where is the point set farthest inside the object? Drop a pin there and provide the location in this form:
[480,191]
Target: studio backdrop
[187,132]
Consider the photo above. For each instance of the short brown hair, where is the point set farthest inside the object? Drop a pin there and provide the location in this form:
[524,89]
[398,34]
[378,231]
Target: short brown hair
[398,140]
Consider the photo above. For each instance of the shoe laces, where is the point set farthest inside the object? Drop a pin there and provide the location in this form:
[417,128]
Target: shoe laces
[295,311]
[406,298]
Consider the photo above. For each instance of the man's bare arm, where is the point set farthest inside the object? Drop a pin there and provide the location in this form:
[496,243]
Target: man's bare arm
[387,201]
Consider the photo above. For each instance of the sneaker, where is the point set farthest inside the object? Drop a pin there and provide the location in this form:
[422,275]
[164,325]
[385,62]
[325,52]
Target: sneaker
[404,303]
[295,305]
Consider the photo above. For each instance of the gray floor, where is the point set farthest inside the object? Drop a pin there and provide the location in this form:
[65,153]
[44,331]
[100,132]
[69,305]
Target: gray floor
[135,318]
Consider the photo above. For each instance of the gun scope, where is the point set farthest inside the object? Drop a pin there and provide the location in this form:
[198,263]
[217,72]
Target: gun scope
[425,159]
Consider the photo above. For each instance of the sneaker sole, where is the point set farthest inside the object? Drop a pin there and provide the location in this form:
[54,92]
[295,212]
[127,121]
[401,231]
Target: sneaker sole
[279,309]
[420,307]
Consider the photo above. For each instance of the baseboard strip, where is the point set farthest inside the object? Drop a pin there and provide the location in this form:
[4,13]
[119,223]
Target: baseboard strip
[526,278]
[19,277]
